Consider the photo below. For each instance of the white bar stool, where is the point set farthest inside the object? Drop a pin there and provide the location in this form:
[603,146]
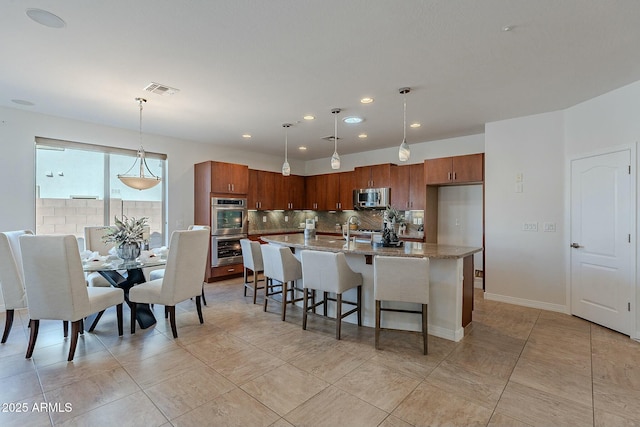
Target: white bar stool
[403,280]
[329,272]
[280,265]
[252,260]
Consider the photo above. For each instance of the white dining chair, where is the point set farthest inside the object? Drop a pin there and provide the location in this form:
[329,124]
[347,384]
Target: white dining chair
[93,242]
[56,287]
[183,276]
[158,273]
[11,276]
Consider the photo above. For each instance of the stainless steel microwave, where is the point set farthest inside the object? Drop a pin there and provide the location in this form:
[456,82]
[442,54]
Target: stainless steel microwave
[371,198]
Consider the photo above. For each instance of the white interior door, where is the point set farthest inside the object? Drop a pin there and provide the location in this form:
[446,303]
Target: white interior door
[601,256]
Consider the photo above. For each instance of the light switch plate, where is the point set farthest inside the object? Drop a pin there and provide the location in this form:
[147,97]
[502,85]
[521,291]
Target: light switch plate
[530,226]
[549,227]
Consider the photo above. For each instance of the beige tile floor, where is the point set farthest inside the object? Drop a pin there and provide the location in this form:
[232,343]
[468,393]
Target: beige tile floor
[515,367]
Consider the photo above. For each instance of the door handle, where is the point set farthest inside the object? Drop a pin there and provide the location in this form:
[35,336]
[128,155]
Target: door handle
[575,245]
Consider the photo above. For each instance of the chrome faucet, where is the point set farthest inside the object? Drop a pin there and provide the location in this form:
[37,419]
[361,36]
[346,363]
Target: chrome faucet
[349,226]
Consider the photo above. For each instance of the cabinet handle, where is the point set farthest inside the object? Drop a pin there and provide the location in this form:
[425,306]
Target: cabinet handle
[454,176]
[231,270]
[449,176]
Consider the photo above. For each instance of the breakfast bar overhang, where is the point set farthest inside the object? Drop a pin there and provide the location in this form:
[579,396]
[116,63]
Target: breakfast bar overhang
[451,279]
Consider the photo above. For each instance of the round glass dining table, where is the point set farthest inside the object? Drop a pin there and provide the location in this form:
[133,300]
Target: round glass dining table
[125,275]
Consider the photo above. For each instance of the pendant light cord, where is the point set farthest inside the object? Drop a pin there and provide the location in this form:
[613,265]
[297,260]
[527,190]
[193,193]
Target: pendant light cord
[335,132]
[404,137]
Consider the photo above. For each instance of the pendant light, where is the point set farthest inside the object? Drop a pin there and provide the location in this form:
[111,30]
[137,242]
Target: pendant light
[140,181]
[404,152]
[286,169]
[335,159]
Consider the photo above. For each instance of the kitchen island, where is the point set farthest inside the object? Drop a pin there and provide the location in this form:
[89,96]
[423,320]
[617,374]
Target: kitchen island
[450,289]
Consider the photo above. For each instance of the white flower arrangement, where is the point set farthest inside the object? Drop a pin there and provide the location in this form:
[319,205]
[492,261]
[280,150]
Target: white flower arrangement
[127,230]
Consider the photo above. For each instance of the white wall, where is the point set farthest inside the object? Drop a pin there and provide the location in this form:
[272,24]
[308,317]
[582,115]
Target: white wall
[525,267]
[19,128]
[419,152]
[605,122]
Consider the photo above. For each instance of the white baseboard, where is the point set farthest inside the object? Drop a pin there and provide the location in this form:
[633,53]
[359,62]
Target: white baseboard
[445,333]
[477,283]
[528,303]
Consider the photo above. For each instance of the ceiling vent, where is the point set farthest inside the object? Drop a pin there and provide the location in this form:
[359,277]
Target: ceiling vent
[330,138]
[161,89]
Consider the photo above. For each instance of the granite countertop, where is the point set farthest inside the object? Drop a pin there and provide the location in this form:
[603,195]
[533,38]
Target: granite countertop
[408,249]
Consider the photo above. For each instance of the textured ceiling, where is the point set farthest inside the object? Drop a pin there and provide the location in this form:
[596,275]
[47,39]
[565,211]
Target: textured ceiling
[249,66]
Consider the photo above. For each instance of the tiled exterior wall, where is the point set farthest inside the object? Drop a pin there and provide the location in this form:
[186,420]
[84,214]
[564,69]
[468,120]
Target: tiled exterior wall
[70,216]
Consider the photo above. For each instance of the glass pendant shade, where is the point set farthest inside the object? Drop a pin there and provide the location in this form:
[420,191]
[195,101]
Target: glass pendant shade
[335,158]
[143,180]
[286,169]
[404,152]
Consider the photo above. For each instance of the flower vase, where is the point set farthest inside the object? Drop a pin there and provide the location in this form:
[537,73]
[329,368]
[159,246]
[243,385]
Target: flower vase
[128,251]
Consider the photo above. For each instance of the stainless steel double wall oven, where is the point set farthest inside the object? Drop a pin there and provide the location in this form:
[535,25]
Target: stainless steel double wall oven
[228,225]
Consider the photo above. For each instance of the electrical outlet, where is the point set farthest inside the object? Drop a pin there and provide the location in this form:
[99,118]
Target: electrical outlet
[264,219]
[519,187]
[519,177]
[549,227]
[530,226]
[286,218]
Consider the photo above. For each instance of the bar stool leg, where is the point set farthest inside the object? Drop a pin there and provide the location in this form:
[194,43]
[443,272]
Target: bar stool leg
[284,299]
[359,306]
[425,327]
[338,315]
[255,286]
[267,287]
[377,324]
[305,305]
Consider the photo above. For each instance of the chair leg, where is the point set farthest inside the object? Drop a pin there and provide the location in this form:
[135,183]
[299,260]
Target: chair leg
[338,315]
[75,331]
[284,299]
[7,325]
[255,287]
[65,328]
[425,327]
[119,316]
[305,305]
[81,328]
[34,325]
[172,320]
[377,324]
[204,300]
[95,322]
[267,285]
[132,305]
[245,276]
[324,306]
[359,306]
[199,309]
[166,312]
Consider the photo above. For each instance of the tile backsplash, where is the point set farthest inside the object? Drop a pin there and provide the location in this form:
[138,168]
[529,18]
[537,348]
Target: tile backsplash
[327,221]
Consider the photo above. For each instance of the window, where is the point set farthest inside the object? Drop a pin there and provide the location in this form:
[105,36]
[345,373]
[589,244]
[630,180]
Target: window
[77,186]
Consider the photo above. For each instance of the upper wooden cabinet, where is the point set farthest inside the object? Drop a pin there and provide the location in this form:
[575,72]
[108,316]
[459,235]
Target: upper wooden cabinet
[454,170]
[262,186]
[225,178]
[316,192]
[373,176]
[338,191]
[408,187]
[290,192]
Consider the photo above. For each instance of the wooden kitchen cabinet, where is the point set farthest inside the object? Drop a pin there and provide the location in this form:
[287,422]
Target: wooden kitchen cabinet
[374,176]
[225,178]
[262,190]
[316,192]
[290,192]
[408,187]
[454,170]
[347,185]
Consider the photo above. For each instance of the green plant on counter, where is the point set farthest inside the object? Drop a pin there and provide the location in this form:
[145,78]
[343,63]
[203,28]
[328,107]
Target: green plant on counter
[393,215]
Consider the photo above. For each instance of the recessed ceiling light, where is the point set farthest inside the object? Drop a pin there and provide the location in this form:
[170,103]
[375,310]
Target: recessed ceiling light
[507,28]
[366,100]
[23,102]
[309,117]
[45,18]
[415,125]
[362,136]
[353,120]
[302,148]
[246,135]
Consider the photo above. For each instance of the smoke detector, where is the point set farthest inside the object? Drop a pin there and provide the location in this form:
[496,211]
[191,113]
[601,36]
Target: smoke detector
[160,89]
